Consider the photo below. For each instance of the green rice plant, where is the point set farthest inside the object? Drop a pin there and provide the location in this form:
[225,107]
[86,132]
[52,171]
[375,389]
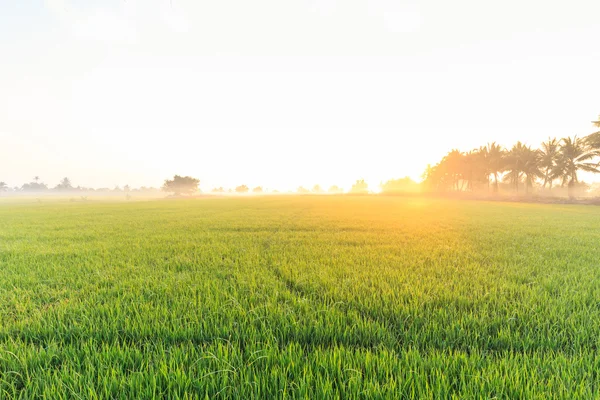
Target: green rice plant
[299,297]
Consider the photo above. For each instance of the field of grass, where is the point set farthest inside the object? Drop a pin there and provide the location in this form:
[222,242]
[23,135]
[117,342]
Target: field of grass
[299,297]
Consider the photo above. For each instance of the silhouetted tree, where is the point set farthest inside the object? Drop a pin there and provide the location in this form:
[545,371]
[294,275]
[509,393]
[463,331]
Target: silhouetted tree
[548,156]
[181,185]
[302,190]
[242,189]
[218,190]
[360,187]
[399,185]
[531,167]
[496,161]
[34,187]
[335,189]
[475,168]
[317,189]
[575,156]
[514,165]
[592,141]
[3,187]
[65,184]
[257,189]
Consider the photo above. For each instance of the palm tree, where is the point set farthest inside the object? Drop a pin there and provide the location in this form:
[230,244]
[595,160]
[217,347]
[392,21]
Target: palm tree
[36,179]
[482,166]
[575,156]
[470,167]
[453,166]
[495,160]
[3,187]
[530,167]
[593,141]
[514,164]
[548,155]
[522,161]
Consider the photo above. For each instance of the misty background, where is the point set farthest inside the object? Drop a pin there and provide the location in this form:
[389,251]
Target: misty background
[283,94]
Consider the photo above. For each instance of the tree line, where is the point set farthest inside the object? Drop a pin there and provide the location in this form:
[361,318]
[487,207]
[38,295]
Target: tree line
[521,167]
[65,185]
[187,185]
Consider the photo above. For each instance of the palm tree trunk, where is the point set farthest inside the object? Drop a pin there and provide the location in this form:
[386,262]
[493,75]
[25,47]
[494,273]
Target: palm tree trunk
[495,182]
[570,188]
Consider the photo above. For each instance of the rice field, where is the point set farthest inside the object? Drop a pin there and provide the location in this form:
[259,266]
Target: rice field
[299,297]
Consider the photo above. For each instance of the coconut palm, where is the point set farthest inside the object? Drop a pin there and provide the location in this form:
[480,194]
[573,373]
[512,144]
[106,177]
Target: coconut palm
[452,165]
[530,167]
[471,166]
[522,162]
[575,156]
[548,155]
[495,161]
[483,165]
[514,165]
[593,141]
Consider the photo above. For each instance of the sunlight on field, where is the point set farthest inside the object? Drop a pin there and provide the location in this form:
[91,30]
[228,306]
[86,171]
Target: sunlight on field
[300,297]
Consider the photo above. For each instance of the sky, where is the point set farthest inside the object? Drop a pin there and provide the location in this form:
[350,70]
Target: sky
[283,93]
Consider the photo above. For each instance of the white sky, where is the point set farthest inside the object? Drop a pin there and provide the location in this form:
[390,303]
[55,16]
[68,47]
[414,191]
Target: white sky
[282,93]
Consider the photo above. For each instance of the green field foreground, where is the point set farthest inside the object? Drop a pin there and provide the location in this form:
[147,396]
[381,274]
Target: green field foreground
[299,297]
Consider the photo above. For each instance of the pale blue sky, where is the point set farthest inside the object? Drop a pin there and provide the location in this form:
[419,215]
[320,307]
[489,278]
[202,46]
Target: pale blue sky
[284,93]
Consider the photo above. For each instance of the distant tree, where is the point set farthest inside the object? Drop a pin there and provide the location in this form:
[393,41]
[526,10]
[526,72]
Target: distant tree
[3,187]
[36,179]
[531,167]
[548,157]
[335,189]
[495,156]
[34,187]
[65,184]
[475,168]
[317,189]
[257,189]
[242,189]
[592,142]
[399,185]
[574,156]
[514,165]
[360,187]
[181,185]
[218,190]
[302,190]
[126,188]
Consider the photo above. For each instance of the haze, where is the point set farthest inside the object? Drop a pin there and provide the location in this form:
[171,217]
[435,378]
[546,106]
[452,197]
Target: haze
[282,93]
